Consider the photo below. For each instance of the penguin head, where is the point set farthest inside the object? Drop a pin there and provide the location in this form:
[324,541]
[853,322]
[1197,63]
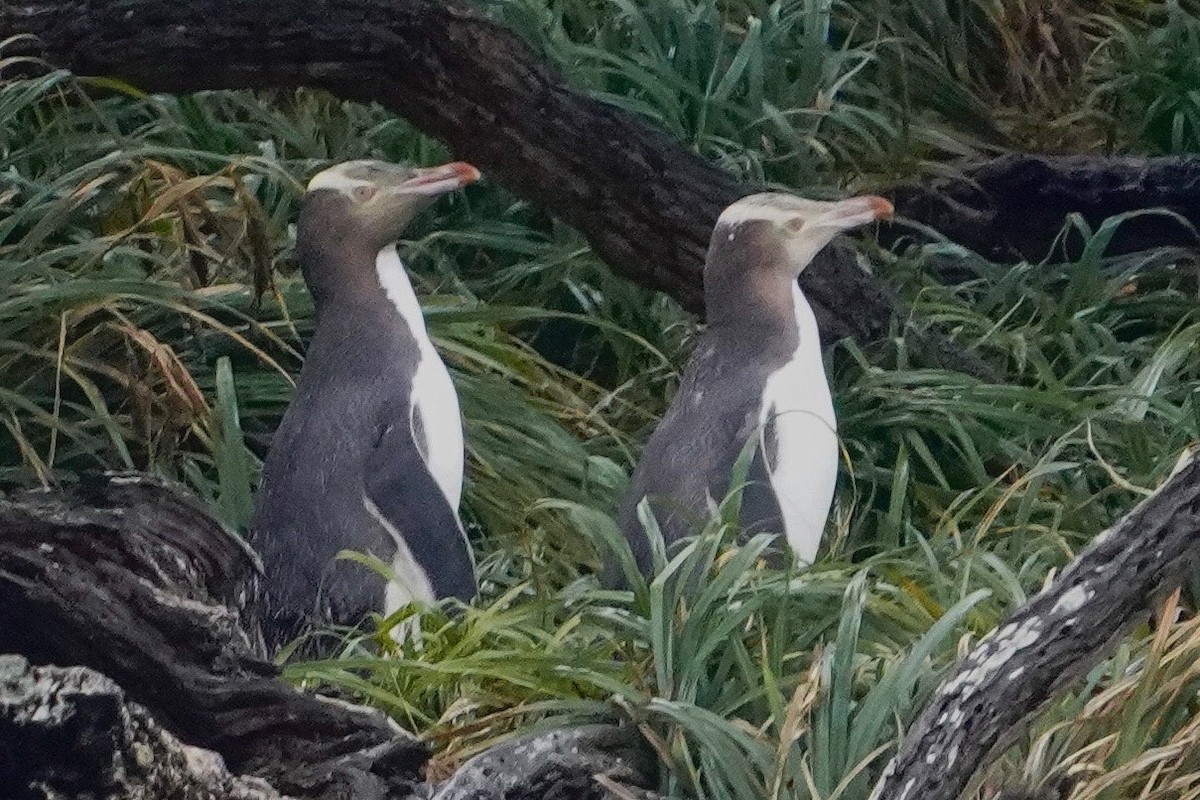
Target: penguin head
[373,201]
[792,226]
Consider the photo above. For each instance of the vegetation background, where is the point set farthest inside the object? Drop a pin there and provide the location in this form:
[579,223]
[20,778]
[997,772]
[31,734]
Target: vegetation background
[151,318]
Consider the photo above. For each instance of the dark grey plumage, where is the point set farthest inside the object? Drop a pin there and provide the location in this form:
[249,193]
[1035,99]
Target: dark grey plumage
[346,469]
[756,374]
[688,461]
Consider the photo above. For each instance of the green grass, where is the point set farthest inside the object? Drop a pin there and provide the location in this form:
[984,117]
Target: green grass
[151,317]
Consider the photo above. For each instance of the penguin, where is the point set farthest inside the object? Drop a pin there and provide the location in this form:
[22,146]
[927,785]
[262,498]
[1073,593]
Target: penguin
[756,372]
[369,455]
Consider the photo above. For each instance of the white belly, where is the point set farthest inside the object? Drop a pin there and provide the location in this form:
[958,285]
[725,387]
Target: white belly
[437,401]
[803,471]
[433,394]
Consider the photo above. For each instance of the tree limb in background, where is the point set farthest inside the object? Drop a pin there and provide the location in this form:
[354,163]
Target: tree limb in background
[645,202]
[1013,207]
[1049,642]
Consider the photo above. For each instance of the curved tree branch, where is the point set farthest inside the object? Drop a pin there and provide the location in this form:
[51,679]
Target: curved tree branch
[645,203]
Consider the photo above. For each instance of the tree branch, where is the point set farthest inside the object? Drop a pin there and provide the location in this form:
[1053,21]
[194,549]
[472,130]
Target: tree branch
[646,204]
[1049,642]
[1013,207]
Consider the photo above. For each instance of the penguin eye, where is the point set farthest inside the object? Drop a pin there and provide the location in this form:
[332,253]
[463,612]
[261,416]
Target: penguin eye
[364,193]
[794,225]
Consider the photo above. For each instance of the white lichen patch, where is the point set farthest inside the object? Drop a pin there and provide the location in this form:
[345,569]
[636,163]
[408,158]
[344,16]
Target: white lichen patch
[1073,600]
[1005,643]
[951,718]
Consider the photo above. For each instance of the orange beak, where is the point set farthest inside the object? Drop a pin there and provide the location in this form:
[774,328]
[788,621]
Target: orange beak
[438,180]
[855,211]
[883,208]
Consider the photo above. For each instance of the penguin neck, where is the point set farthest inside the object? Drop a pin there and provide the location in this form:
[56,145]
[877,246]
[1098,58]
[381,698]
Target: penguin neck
[344,281]
[763,301]
[750,283]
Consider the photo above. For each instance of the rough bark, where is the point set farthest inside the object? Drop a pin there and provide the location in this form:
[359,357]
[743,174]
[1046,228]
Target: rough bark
[69,733]
[558,765]
[132,578]
[1049,642]
[1013,207]
[136,581]
[646,204]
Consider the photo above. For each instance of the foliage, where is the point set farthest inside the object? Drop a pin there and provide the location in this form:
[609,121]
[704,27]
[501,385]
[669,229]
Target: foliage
[1146,79]
[150,317]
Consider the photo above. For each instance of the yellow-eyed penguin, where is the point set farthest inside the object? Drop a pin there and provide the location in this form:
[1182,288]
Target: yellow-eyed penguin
[756,372]
[369,456]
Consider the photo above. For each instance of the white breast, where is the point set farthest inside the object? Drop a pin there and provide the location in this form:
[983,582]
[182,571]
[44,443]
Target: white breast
[433,392]
[804,470]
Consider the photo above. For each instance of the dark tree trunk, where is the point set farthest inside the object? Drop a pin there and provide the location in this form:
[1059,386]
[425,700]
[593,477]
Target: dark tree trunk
[644,202]
[1049,642]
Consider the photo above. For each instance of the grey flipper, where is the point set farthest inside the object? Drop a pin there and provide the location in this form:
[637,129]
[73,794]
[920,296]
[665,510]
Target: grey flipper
[404,491]
[690,456]
[760,511]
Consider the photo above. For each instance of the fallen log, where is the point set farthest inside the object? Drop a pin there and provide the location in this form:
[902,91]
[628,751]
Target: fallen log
[69,732]
[135,580]
[558,764]
[1049,642]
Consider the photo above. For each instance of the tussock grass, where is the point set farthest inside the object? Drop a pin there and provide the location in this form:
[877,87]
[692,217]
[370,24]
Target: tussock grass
[151,317]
